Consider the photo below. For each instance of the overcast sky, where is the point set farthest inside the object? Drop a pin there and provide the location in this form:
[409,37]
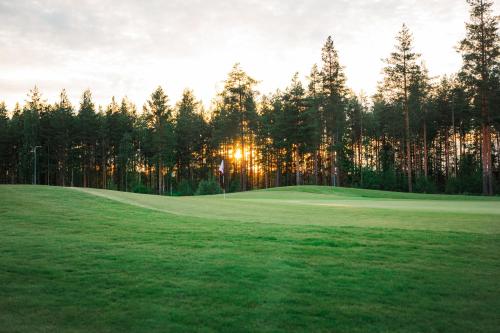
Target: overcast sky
[126,47]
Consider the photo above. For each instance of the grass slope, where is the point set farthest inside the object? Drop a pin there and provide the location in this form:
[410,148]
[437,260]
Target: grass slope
[314,205]
[293,259]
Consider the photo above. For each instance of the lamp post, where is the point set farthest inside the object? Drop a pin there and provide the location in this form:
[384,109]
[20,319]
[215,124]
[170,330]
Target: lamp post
[34,170]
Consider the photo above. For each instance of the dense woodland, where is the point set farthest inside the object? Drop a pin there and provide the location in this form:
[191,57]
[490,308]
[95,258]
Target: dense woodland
[417,133]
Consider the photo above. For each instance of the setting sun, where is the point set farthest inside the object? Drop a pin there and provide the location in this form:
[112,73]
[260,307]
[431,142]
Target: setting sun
[237,154]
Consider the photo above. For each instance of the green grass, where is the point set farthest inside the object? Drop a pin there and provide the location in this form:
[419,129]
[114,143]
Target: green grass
[307,259]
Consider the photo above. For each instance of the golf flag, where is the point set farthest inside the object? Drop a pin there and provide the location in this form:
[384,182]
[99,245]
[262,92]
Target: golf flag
[221,170]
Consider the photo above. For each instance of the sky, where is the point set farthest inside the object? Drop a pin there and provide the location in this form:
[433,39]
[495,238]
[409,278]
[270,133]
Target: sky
[127,48]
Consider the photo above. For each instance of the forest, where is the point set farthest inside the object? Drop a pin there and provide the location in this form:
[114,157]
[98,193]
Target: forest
[417,133]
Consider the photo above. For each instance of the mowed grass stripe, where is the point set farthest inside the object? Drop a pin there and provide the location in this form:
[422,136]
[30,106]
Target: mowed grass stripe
[73,262]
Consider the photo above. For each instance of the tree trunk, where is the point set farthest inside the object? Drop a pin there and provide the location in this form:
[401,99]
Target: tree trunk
[104,171]
[278,171]
[486,160]
[360,161]
[250,172]
[315,167]
[84,174]
[446,152]
[426,157]
[297,166]
[160,178]
[332,168]
[454,135]
[243,164]
[407,127]
[408,145]
[266,177]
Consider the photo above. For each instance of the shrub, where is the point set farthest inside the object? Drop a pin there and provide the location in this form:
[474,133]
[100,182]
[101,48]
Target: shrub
[210,186]
[140,188]
[470,184]
[234,186]
[184,188]
[371,179]
[389,180]
[423,185]
[111,185]
[452,186]
[469,178]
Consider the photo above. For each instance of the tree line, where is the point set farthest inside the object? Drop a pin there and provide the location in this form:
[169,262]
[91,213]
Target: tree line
[417,133]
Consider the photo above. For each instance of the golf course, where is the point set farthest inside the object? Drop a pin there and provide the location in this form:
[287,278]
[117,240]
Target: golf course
[289,259]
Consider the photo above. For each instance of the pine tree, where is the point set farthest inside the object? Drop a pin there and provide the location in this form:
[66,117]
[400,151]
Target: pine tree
[123,119]
[31,134]
[5,144]
[294,127]
[188,134]
[16,141]
[125,155]
[87,136]
[238,109]
[480,53]
[333,91]
[355,110]
[159,115]
[420,105]
[314,120]
[62,125]
[400,66]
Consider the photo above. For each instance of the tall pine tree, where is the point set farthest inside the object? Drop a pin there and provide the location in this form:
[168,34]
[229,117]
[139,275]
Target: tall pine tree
[480,53]
[401,65]
[334,92]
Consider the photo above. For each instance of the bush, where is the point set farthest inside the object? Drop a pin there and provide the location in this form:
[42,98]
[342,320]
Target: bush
[207,187]
[111,185]
[371,179]
[389,181]
[140,188]
[184,188]
[452,186]
[496,186]
[234,186]
[469,178]
[470,184]
[423,185]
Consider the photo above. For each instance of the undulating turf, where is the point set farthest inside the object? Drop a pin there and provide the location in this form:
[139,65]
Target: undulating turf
[292,259]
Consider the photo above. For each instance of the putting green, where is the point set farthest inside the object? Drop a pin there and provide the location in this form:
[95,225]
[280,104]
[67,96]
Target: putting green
[312,205]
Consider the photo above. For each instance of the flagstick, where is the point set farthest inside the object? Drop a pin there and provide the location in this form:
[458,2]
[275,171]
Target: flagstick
[221,170]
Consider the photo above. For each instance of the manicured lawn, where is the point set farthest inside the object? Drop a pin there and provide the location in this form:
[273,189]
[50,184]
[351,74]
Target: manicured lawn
[292,259]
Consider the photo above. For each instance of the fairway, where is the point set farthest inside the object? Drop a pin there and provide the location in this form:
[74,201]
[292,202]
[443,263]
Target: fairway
[314,205]
[296,259]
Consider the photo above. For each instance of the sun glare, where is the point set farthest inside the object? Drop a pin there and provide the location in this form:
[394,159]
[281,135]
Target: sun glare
[237,154]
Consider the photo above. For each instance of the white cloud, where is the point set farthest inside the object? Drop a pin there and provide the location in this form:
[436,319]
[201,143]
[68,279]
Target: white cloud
[129,47]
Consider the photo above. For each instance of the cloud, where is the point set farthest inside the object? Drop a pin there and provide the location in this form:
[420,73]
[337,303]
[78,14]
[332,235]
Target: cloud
[129,47]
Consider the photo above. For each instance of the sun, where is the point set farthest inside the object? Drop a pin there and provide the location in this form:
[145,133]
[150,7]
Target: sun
[237,154]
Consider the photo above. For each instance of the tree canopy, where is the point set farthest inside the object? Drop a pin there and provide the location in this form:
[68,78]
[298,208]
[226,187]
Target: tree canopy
[416,133]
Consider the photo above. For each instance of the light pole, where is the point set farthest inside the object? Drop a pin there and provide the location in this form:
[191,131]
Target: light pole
[34,170]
